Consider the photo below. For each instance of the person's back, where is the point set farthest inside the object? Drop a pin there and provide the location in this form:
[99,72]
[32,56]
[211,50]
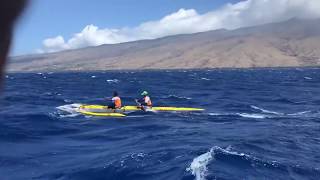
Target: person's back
[147,101]
[116,101]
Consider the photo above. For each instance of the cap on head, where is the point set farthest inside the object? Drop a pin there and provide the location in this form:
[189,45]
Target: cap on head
[144,93]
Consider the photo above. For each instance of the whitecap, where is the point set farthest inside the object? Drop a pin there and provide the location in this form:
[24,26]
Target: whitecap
[198,167]
[66,111]
[266,111]
[141,154]
[299,113]
[67,100]
[113,81]
[179,97]
[228,150]
[93,76]
[68,115]
[205,79]
[255,116]
[69,108]
[215,114]
[308,78]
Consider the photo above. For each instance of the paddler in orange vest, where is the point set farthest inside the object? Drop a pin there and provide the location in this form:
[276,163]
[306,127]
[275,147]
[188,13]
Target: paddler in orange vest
[116,101]
[144,102]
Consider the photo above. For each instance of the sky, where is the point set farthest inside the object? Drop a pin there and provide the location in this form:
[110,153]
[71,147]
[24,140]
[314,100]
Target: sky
[56,25]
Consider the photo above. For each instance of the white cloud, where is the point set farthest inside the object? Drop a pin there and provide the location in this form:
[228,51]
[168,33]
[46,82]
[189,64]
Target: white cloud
[55,44]
[230,16]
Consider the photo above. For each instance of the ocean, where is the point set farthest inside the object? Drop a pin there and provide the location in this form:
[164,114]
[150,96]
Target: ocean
[258,124]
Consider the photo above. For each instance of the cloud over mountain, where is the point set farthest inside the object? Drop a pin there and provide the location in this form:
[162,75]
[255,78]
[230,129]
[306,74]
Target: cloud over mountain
[230,16]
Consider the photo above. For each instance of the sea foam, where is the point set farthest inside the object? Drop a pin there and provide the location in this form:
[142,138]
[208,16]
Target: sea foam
[255,116]
[198,167]
[69,108]
[265,111]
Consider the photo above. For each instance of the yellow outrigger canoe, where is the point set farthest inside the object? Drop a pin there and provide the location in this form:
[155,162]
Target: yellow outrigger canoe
[99,110]
[102,114]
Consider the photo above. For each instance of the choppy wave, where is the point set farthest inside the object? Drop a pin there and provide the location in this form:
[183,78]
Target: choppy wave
[198,167]
[255,116]
[206,79]
[69,110]
[266,111]
[270,118]
[216,114]
[178,97]
[299,113]
[245,115]
[113,81]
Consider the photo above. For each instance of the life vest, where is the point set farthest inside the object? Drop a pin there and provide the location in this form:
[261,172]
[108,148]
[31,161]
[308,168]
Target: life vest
[147,100]
[117,101]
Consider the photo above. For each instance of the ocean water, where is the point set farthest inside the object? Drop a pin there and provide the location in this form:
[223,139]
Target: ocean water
[258,124]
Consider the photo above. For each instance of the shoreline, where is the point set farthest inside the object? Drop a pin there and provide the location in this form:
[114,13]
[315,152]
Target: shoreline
[162,70]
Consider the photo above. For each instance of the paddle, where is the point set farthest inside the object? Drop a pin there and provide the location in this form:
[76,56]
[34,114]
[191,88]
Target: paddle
[140,105]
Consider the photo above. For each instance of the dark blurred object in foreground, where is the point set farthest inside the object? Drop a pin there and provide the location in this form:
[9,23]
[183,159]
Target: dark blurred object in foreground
[9,12]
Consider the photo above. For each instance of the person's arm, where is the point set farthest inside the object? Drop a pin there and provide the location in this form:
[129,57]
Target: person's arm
[143,102]
[139,100]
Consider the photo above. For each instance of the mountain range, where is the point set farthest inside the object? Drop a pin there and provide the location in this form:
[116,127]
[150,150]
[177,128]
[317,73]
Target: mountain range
[292,43]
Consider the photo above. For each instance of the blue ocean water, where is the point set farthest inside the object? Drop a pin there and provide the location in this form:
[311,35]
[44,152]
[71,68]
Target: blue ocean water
[258,124]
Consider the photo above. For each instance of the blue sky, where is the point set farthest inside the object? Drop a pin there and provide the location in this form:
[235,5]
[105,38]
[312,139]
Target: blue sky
[48,18]
[56,25]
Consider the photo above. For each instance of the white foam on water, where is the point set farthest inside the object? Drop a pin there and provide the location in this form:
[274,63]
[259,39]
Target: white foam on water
[255,116]
[179,97]
[198,167]
[93,76]
[299,113]
[205,79]
[67,100]
[214,114]
[302,113]
[308,78]
[72,109]
[229,151]
[68,115]
[112,80]
[266,111]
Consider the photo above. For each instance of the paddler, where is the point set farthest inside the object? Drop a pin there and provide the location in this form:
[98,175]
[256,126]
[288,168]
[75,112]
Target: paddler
[145,101]
[116,101]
